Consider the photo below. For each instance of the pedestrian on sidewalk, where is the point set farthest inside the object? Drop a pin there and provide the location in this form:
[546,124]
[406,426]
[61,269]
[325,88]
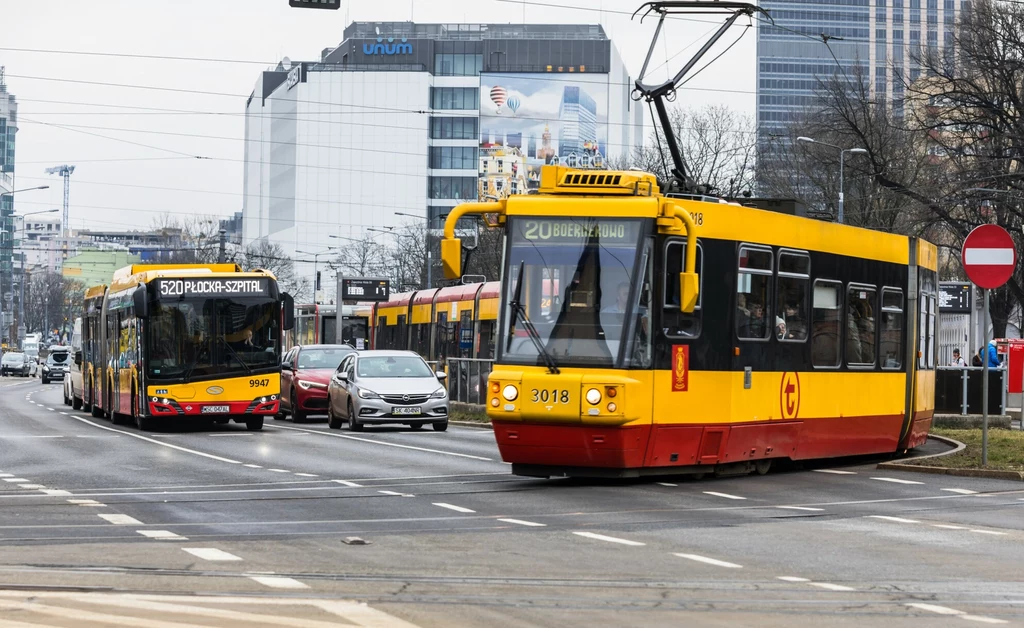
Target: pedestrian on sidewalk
[957,359]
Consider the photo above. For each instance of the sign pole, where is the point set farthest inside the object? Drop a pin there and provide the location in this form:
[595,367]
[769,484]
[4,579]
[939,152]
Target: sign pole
[984,382]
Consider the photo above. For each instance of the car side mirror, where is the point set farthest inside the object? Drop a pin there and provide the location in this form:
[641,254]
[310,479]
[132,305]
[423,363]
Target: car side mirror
[341,376]
[441,375]
[287,366]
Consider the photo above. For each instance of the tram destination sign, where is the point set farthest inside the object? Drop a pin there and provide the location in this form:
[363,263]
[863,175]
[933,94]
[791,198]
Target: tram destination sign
[365,289]
[955,297]
[576,230]
[211,287]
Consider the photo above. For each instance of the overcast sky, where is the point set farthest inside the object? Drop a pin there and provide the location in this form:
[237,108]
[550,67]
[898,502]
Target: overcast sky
[135,165]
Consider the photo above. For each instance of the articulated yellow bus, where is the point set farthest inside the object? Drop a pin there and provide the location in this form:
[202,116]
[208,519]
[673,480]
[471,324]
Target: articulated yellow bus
[189,341]
[686,336]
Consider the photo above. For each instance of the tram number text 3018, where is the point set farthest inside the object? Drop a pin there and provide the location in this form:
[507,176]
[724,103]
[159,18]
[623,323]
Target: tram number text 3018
[550,396]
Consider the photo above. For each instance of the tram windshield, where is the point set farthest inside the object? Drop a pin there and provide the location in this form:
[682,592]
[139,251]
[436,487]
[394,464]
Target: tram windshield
[576,282]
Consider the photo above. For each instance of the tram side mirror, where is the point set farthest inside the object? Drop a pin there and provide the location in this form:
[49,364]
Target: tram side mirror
[141,302]
[288,307]
[688,288]
[78,358]
[451,257]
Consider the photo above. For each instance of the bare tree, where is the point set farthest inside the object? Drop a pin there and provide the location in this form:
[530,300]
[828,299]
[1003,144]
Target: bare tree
[52,302]
[199,237]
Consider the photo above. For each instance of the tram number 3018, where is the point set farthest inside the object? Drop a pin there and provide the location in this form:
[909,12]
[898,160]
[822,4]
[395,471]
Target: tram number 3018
[550,396]
[697,217]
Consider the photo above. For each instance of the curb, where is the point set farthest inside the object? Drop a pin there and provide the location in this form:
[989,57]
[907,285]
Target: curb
[993,474]
[479,426]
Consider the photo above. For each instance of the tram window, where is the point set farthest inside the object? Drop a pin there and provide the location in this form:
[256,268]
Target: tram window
[860,326]
[753,293]
[402,340]
[826,320]
[794,284]
[488,334]
[890,328]
[678,324]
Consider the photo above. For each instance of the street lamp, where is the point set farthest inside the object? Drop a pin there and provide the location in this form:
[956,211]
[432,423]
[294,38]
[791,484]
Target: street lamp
[842,154]
[316,257]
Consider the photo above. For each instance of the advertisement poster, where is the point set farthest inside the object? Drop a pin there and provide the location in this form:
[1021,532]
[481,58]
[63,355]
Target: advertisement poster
[527,121]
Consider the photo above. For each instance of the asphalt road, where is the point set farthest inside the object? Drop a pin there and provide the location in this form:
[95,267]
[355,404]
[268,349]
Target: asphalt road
[106,525]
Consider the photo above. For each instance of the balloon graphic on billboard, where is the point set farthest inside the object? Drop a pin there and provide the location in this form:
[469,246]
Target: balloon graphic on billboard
[512,102]
[498,95]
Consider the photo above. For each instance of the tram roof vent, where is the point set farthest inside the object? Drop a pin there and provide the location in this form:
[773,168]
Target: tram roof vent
[562,180]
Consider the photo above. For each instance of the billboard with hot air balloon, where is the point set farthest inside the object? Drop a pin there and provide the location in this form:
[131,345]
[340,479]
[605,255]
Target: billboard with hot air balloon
[528,120]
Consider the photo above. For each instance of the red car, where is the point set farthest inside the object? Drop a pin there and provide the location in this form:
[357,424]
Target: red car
[305,373]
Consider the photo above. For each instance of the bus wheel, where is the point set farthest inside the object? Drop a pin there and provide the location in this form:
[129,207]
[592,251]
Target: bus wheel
[254,424]
[762,466]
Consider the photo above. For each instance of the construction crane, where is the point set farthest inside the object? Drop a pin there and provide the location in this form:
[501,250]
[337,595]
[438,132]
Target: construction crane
[66,172]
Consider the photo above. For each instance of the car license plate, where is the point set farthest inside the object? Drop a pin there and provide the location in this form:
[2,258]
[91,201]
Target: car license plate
[215,409]
[406,410]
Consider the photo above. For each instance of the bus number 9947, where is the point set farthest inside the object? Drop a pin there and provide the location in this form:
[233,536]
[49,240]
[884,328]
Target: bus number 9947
[259,383]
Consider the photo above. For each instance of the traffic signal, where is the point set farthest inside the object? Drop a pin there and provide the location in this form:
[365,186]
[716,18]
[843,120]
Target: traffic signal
[315,4]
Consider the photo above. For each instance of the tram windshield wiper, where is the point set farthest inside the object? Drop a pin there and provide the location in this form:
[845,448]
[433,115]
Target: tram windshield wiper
[518,311]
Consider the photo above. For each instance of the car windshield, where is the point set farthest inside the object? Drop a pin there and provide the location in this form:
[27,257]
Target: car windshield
[322,358]
[14,358]
[205,337]
[393,366]
[573,278]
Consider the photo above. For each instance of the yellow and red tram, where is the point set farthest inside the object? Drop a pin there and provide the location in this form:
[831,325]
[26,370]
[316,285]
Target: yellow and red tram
[647,334]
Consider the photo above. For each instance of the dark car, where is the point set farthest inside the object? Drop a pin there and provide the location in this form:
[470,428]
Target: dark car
[17,363]
[58,363]
[305,374]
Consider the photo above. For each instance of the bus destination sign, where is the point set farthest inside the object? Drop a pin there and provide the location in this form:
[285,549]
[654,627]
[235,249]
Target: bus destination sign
[365,289]
[578,230]
[211,287]
[955,297]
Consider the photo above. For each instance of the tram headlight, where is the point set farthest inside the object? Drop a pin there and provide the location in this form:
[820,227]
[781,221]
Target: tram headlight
[494,402]
[612,407]
[510,393]
[593,396]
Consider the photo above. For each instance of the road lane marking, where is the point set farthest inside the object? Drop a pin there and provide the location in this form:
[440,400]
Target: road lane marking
[347,483]
[793,579]
[15,480]
[992,532]
[120,520]
[279,582]
[835,471]
[51,409]
[945,610]
[6,475]
[947,527]
[252,466]
[396,494]
[210,553]
[164,535]
[85,502]
[962,491]
[520,522]
[725,495]
[279,470]
[453,507]
[897,481]
[377,442]
[982,619]
[709,561]
[65,414]
[807,508]
[830,586]
[34,487]
[308,475]
[894,519]
[610,539]
[156,442]
[666,484]
[56,492]
[234,434]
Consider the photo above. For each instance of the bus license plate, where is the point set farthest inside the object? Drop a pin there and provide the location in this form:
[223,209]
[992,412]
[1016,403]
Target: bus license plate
[406,410]
[215,409]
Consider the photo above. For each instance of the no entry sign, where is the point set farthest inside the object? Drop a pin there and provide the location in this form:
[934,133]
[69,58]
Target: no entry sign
[989,256]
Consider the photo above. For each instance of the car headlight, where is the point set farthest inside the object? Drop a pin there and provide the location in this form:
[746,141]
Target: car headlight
[46,368]
[306,385]
[440,393]
[368,394]
[510,393]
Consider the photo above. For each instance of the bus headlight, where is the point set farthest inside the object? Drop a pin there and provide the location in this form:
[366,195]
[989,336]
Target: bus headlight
[510,393]
[593,396]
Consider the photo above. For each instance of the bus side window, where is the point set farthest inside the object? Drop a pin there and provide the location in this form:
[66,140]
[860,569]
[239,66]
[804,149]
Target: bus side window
[678,324]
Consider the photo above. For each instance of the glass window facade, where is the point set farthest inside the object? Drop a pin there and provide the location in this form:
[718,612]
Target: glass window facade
[454,128]
[458,64]
[455,98]
[454,157]
[461,188]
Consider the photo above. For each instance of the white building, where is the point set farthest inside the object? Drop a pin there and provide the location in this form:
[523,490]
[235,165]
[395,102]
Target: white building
[394,118]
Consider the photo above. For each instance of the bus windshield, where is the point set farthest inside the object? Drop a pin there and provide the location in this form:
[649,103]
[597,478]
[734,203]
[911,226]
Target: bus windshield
[209,337]
[576,287]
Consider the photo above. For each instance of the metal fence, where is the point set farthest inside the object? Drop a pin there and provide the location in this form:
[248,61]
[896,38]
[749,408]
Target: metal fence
[958,390]
[467,379]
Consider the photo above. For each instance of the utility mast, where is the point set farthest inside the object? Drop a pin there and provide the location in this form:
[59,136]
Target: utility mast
[66,172]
